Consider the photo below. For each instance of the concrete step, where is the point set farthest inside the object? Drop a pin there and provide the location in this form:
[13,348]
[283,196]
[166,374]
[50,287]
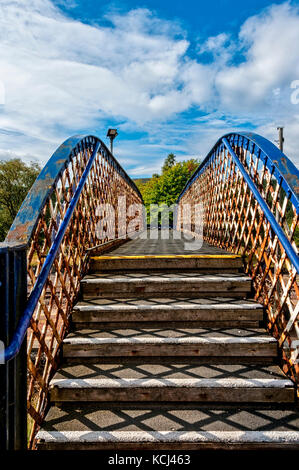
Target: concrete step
[173,427]
[145,342]
[171,382]
[208,263]
[144,285]
[217,312]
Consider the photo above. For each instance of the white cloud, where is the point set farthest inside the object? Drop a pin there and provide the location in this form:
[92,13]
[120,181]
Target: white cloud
[62,76]
[220,47]
[60,72]
[270,41]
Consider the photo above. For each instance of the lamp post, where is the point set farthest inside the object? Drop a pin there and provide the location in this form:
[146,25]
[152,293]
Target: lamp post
[280,138]
[112,133]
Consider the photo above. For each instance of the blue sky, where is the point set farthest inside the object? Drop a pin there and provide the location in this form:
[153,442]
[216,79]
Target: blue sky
[198,18]
[172,76]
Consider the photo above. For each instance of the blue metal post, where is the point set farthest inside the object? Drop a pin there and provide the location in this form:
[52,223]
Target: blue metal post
[13,374]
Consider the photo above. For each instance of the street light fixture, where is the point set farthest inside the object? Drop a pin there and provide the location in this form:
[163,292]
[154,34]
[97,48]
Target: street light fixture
[280,137]
[112,133]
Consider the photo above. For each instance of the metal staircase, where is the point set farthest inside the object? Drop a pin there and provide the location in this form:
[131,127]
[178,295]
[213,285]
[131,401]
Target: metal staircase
[140,345]
[166,358]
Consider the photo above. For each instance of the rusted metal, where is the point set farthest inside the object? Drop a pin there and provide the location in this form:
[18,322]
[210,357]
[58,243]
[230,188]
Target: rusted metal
[236,221]
[27,217]
[36,226]
[233,219]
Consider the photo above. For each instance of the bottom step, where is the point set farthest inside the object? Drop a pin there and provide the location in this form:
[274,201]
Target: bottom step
[167,440]
[169,428]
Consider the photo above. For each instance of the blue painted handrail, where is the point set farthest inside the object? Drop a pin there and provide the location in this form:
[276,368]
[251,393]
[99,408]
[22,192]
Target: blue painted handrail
[276,161]
[278,164]
[268,214]
[27,217]
[19,335]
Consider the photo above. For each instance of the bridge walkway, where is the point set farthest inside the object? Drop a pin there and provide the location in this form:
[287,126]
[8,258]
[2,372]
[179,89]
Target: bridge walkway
[168,350]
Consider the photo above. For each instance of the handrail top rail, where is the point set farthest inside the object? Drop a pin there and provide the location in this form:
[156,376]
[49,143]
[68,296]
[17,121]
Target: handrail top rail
[19,334]
[263,146]
[272,156]
[27,216]
[266,210]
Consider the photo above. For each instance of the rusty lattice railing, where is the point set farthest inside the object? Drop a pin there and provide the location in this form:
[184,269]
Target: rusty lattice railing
[248,189]
[59,219]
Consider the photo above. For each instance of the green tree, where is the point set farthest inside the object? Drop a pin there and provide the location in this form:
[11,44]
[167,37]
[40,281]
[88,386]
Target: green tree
[166,188]
[168,162]
[16,178]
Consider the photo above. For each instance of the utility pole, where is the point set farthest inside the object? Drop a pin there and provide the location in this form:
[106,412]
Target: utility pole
[280,138]
[279,196]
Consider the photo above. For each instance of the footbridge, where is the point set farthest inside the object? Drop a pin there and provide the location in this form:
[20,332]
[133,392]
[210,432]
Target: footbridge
[115,336]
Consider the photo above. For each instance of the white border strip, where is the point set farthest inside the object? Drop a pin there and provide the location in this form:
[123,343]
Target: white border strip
[233,437]
[167,340]
[190,383]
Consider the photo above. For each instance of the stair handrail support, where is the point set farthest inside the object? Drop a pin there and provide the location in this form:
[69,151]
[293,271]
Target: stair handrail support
[249,190]
[52,234]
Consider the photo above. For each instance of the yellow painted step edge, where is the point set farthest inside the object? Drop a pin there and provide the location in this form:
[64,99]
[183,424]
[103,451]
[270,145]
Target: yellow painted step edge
[163,256]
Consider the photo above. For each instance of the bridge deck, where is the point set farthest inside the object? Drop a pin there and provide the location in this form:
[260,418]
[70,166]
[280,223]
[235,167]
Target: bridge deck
[165,246]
